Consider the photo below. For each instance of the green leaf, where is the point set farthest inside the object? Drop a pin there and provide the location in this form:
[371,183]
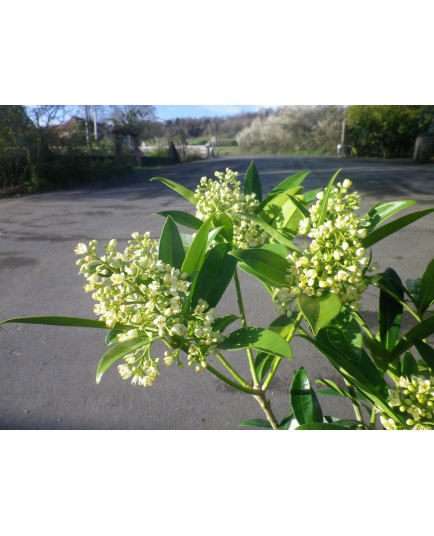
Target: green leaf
[363,374]
[226,226]
[263,363]
[291,182]
[319,312]
[384,210]
[117,352]
[409,365]
[111,336]
[381,356]
[284,213]
[426,352]
[60,321]
[310,196]
[322,426]
[263,340]
[285,423]
[390,309]
[346,333]
[324,201]
[220,324]
[171,249]
[333,389]
[256,423]
[196,253]
[178,188]
[304,401]
[264,264]
[252,182]
[276,235]
[394,289]
[421,331]
[382,232]
[182,218]
[426,294]
[215,275]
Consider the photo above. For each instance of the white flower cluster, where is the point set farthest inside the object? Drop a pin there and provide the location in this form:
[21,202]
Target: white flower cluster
[224,196]
[415,398]
[150,298]
[335,260]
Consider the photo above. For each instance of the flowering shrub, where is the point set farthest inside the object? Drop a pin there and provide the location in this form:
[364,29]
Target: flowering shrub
[312,252]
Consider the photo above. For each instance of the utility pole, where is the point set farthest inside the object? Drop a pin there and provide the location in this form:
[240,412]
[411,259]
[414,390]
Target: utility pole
[95,127]
[86,122]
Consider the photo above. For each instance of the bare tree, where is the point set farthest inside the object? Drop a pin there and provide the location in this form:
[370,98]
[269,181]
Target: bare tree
[48,114]
[131,121]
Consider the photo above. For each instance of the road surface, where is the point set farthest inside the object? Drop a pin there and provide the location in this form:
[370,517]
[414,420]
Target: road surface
[47,374]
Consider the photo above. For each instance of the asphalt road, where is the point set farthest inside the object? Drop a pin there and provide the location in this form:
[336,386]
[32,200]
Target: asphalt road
[47,374]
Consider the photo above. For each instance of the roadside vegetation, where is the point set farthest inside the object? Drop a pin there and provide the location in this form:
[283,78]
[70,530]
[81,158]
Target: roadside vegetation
[51,146]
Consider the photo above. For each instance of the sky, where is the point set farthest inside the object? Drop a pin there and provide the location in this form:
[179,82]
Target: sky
[172,111]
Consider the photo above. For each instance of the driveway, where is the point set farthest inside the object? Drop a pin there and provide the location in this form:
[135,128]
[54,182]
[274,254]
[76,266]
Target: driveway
[47,374]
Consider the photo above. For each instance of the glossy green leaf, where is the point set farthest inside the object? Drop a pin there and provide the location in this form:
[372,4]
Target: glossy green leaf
[324,201]
[111,336]
[252,182]
[288,419]
[187,239]
[393,288]
[263,363]
[319,312]
[196,254]
[304,401]
[390,310]
[220,324]
[263,340]
[381,356]
[345,332]
[215,275]
[423,330]
[258,209]
[279,211]
[284,213]
[362,374]
[322,426]
[333,389]
[171,250]
[426,294]
[381,211]
[409,365]
[59,321]
[382,232]
[182,218]
[310,196]
[266,265]
[225,224]
[426,352]
[276,235]
[291,182]
[117,352]
[178,188]
[256,423]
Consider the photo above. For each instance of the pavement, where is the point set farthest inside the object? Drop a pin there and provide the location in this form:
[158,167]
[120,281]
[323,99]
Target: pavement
[47,374]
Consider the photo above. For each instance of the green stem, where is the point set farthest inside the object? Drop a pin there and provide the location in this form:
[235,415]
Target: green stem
[279,359]
[244,324]
[356,405]
[220,376]
[373,418]
[266,407]
[234,373]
